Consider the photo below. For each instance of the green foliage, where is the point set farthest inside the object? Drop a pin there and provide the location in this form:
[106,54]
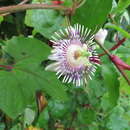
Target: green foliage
[29,116]
[116,120]
[103,104]
[43,119]
[123,32]
[68,3]
[45,22]
[93,13]
[86,116]
[125,88]
[122,5]
[1,19]
[21,48]
[111,82]
[57,109]
[28,76]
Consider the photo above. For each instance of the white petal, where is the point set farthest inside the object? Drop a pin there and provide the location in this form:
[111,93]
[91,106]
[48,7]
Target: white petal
[52,67]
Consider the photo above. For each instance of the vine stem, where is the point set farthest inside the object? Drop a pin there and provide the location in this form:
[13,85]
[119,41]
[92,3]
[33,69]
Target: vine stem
[17,8]
[23,2]
[119,43]
[117,66]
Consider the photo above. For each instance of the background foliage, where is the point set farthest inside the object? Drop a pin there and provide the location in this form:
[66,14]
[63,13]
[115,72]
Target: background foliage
[32,97]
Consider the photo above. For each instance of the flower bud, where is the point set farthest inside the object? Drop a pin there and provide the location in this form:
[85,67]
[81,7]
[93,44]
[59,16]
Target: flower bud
[101,35]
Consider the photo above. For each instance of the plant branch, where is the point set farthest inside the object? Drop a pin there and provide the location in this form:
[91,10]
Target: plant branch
[21,3]
[118,67]
[17,8]
[119,43]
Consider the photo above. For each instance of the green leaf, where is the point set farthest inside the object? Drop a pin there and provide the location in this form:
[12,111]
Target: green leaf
[105,103]
[43,119]
[2,126]
[122,5]
[86,116]
[93,13]
[110,77]
[124,87]
[29,116]
[67,3]
[96,88]
[45,22]
[18,86]
[57,108]
[122,31]
[23,48]
[16,127]
[116,120]
[1,19]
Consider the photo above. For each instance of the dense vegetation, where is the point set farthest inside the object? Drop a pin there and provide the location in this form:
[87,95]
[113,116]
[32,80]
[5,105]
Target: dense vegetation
[34,99]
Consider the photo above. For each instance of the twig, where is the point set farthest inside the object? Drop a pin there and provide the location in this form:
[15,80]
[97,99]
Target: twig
[118,44]
[18,8]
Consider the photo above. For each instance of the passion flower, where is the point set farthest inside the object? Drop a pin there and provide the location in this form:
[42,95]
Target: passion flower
[74,55]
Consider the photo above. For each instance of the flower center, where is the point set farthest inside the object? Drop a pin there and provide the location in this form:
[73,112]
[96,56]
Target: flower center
[78,55]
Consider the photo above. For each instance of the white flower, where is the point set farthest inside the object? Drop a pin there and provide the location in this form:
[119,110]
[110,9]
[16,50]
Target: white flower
[73,55]
[101,36]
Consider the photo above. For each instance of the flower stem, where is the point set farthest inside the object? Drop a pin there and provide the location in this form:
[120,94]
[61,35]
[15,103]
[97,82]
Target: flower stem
[17,8]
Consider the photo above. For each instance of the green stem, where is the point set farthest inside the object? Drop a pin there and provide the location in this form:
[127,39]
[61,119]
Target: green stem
[17,8]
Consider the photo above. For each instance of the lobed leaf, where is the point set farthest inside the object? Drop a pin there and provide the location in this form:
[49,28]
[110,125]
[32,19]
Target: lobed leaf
[19,85]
